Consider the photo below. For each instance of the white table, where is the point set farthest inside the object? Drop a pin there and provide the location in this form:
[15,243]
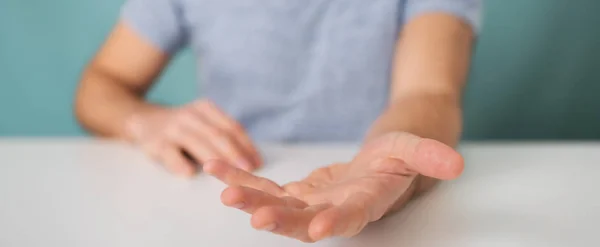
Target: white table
[81,192]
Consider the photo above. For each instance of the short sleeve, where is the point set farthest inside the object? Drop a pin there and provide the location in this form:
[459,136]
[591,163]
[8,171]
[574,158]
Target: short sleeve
[468,10]
[158,21]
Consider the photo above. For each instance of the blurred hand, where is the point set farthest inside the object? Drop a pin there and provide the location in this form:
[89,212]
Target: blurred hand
[340,199]
[197,132]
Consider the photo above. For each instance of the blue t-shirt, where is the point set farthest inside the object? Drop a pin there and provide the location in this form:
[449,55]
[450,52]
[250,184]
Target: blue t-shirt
[290,70]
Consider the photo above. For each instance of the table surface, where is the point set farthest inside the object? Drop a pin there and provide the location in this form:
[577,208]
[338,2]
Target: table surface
[83,192]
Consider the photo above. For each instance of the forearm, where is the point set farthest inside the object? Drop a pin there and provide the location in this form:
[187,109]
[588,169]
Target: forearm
[103,105]
[428,76]
[432,116]
[429,73]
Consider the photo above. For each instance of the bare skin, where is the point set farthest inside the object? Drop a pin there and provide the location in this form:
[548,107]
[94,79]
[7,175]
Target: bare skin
[340,199]
[110,103]
[408,148]
[200,130]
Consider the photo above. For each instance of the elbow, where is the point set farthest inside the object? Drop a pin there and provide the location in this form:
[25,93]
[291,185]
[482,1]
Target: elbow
[81,101]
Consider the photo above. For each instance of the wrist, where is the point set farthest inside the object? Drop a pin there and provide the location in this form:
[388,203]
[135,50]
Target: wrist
[437,117]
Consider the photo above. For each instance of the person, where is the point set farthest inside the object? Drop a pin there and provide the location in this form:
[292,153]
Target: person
[387,73]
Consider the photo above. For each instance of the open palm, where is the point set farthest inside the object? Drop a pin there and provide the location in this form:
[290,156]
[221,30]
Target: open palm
[339,199]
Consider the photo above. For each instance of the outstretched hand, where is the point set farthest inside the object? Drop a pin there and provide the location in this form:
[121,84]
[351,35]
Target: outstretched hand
[339,199]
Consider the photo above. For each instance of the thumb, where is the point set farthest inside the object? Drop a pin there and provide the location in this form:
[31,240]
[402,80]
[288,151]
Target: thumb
[427,156]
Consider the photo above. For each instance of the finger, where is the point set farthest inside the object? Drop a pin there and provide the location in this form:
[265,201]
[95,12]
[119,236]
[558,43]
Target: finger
[233,176]
[153,148]
[190,143]
[346,220]
[198,148]
[226,146]
[229,125]
[175,162]
[427,156]
[287,221]
[249,200]
[298,189]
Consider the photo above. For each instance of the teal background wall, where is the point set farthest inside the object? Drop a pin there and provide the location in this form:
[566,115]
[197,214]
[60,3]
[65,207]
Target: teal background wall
[535,72]
[44,46]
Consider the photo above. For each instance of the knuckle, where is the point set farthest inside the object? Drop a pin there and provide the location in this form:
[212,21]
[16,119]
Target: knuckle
[205,155]
[225,140]
[174,131]
[202,103]
[235,128]
[221,138]
[185,115]
[214,131]
[182,115]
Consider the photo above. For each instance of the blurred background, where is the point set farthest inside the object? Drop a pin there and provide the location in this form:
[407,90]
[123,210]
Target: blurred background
[535,74]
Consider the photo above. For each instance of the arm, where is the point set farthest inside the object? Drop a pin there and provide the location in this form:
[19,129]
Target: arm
[110,102]
[110,98]
[429,73]
[413,136]
[115,82]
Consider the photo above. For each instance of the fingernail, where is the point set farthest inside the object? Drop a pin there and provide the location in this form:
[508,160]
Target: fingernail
[239,205]
[269,228]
